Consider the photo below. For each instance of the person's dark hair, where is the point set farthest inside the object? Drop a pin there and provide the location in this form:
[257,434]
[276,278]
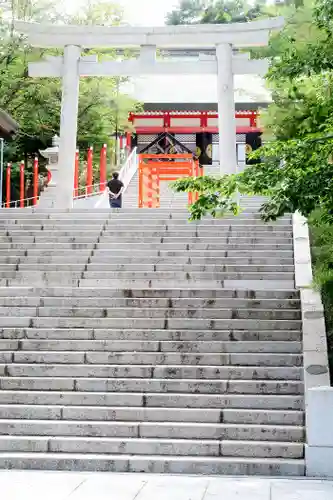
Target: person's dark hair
[115,175]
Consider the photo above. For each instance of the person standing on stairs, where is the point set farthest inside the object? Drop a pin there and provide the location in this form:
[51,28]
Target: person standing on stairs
[115,188]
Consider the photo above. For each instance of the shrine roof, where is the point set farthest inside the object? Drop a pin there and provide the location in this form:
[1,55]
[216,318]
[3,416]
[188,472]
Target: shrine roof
[8,126]
[199,89]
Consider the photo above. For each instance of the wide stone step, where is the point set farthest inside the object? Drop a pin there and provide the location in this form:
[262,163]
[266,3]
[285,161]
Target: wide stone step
[120,246]
[112,258]
[176,241]
[141,232]
[187,253]
[222,225]
[152,358]
[147,446]
[152,312]
[206,386]
[152,346]
[214,293]
[137,414]
[42,245]
[235,284]
[174,275]
[162,302]
[151,323]
[134,217]
[156,334]
[125,260]
[153,464]
[94,265]
[183,430]
[158,302]
[203,372]
[118,399]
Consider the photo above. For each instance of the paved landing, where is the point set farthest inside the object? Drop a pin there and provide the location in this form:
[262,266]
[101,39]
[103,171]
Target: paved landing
[31,485]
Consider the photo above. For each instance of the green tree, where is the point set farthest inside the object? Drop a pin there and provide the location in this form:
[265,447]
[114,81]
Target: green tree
[35,103]
[215,11]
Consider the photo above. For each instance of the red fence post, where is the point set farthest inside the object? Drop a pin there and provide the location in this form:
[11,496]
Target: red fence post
[35,182]
[128,142]
[76,174]
[90,171]
[8,172]
[22,186]
[102,182]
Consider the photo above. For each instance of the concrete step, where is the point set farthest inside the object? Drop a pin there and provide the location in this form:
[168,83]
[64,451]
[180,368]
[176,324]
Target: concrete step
[153,359]
[151,323]
[148,292]
[129,225]
[236,284]
[46,246]
[156,334]
[136,414]
[155,400]
[161,253]
[152,312]
[139,259]
[141,231]
[99,258]
[150,218]
[96,265]
[175,275]
[166,430]
[177,240]
[159,372]
[152,302]
[184,246]
[207,386]
[147,446]
[122,346]
[153,464]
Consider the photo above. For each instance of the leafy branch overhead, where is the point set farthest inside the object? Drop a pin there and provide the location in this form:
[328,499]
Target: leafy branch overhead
[296,169]
[35,103]
[289,176]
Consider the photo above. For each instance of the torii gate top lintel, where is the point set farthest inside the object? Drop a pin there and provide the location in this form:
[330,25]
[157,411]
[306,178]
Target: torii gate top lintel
[254,33]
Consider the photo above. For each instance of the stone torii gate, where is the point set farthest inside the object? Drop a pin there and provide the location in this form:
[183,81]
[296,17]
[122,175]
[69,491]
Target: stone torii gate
[225,64]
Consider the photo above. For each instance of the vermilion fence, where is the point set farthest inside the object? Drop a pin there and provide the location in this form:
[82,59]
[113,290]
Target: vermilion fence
[156,168]
[80,191]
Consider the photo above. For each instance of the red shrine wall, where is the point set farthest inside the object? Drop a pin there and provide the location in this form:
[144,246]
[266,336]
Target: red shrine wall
[197,131]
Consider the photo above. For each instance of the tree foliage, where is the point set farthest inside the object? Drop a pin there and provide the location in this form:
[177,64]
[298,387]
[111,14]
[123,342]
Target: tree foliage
[296,167]
[35,103]
[215,11]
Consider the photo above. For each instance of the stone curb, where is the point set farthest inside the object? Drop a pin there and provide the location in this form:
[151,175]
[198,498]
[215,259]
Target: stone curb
[318,393]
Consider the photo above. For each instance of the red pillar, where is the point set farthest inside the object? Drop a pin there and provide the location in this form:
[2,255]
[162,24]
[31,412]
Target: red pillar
[8,172]
[102,171]
[35,182]
[22,186]
[76,174]
[128,142]
[89,182]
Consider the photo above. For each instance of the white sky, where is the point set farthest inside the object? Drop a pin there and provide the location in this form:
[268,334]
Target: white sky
[137,12]
[142,12]
[147,12]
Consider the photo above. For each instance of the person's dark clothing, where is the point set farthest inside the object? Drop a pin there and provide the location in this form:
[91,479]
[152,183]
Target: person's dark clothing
[115,185]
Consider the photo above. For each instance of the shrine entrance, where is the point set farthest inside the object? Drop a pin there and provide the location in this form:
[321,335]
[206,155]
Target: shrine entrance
[164,167]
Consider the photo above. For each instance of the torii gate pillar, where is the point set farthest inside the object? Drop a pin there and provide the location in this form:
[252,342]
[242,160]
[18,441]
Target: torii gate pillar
[68,125]
[226,109]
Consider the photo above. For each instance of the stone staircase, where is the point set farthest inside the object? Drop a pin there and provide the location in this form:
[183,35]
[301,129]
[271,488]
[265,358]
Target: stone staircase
[136,341]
